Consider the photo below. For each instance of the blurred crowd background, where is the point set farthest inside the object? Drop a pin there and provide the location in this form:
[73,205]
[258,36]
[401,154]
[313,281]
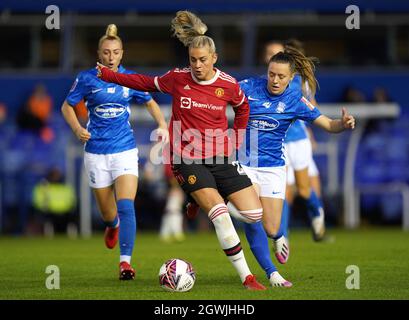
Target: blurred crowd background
[366,67]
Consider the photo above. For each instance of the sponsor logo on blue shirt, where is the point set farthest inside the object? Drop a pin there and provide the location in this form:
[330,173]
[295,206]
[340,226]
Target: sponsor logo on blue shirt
[264,123]
[107,111]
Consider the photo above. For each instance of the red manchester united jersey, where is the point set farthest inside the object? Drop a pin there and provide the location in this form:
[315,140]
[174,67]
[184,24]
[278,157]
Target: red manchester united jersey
[198,126]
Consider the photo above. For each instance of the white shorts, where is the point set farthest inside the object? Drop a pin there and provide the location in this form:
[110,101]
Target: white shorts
[296,154]
[104,169]
[271,180]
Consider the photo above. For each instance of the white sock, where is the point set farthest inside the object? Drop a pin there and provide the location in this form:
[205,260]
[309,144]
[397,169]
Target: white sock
[174,201]
[125,258]
[229,239]
[176,219]
[165,229]
[173,211]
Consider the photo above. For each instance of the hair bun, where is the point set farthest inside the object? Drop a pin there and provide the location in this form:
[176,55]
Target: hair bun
[112,30]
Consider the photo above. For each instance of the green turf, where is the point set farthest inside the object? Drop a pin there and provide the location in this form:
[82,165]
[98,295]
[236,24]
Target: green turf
[317,270]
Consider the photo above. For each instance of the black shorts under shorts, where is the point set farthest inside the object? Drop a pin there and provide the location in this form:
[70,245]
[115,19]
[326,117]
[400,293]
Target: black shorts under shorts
[219,174]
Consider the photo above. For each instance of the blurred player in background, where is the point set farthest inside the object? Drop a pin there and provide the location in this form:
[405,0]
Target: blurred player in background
[302,171]
[274,105]
[200,162]
[171,227]
[111,156]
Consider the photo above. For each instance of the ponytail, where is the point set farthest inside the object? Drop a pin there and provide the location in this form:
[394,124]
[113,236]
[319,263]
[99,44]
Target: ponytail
[190,30]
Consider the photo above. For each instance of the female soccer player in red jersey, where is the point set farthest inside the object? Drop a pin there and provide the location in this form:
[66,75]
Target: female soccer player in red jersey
[199,146]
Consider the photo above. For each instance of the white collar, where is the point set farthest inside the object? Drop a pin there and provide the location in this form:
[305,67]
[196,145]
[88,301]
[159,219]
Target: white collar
[206,82]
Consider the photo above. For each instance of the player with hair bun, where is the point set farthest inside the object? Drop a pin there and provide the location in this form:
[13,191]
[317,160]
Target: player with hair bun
[199,157]
[110,152]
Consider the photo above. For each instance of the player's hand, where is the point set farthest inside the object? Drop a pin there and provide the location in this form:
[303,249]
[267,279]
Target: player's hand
[82,134]
[348,121]
[163,135]
[99,68]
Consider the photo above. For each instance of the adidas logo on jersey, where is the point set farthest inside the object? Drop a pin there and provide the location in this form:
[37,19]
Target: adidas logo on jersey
[186,87]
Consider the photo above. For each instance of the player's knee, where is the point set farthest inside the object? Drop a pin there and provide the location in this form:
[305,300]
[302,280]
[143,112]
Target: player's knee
[249,216]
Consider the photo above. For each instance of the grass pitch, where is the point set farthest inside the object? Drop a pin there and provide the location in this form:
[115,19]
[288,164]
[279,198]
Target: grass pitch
[318,270]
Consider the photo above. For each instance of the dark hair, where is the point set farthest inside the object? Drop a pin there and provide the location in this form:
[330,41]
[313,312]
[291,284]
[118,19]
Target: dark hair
[299,63]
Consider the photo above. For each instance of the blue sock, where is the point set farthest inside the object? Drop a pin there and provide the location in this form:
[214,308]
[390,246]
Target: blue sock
[285,218]
[127,229]
[258,241]
[112,224]
[313,205]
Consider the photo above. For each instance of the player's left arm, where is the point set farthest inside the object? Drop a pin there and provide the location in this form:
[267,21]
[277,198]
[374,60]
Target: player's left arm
[309,130]
[336,125]
[241,113]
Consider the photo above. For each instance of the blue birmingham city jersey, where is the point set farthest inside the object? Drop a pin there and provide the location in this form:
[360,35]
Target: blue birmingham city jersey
[108,107]
[269,120]
[297,131]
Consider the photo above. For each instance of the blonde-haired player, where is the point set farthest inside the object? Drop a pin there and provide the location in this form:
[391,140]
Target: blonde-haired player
[110,152]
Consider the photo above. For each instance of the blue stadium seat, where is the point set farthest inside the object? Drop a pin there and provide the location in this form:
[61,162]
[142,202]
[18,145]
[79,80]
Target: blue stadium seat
[391,206]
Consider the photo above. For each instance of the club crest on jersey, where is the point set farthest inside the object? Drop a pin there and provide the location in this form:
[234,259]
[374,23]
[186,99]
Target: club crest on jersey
[308,103]
[280,107]
[107,111]
[219,92]
[125,92]
[192,179]
[185,102]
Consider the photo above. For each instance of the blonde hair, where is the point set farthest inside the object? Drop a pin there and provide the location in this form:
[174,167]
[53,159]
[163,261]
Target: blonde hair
[190,30]
[111,33]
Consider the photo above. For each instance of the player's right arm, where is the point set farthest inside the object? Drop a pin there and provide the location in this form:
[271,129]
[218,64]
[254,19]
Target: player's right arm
[71,118]
[139,82]
[75,95]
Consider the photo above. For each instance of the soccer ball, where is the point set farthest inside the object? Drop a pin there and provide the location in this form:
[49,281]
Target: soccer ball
[177,275]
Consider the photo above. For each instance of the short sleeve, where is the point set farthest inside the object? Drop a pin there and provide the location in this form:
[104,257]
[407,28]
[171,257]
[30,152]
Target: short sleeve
[77,91]
[238,96]
[165,82]
[141,97]
[245,85]
[306,111]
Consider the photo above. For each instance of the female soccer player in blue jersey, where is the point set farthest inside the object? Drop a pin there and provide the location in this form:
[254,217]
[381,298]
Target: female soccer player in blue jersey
[274,105]
[301,168]
[111,156]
